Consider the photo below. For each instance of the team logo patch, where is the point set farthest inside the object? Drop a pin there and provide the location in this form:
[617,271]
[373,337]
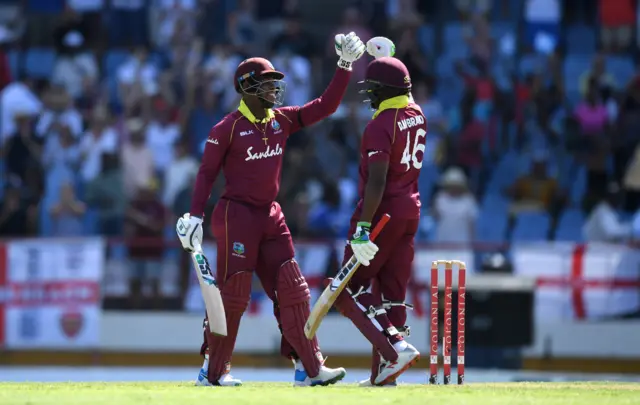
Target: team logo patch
[238,250]
[407,79]
[275,124]
[71,323]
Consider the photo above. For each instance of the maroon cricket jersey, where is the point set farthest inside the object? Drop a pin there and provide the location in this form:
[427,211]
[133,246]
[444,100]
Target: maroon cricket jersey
[396,135]
[250,151]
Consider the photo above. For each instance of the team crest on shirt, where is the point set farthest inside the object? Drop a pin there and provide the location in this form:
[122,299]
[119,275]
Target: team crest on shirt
[275,125]
[238,250]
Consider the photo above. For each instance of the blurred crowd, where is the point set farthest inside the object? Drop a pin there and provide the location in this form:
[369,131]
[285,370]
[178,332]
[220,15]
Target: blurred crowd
[533,109]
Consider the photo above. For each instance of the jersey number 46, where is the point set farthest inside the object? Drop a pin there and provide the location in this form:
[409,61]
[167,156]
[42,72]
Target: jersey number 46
[409,156]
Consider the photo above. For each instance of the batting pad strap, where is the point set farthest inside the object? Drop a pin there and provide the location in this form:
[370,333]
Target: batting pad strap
[386,304]
[236,292]
[291,289]
[372,311]
[404,331]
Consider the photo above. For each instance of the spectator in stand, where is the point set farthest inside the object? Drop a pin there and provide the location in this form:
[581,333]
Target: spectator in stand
[23,150]
[100,138]
[161,134]
[472,134]
[137,159]
[481,84]
[137,79]
[603,224]
[75,67]
[17,98]
[106,193]
[542,24]
[593,118]
[536,191]
[454,208]
[59,110]
[61,153]
[68,213]
[617,19]
[17,219]
[182,169]
[599,74]
[145,221]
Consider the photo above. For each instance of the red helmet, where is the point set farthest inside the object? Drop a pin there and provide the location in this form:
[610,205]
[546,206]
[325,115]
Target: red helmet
[390,72]
[256,72]
[385,76]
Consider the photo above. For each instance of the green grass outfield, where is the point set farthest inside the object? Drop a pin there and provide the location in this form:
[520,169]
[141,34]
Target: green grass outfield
[600,393]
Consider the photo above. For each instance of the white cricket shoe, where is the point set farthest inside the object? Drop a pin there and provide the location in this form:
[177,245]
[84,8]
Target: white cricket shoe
[327,376]
[226,380]
[389,371]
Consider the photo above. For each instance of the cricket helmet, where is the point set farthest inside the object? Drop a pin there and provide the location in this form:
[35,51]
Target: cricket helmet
[385,77]
[258,77]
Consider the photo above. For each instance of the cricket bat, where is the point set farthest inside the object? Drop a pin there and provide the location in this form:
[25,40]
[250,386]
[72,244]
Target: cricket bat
[330,294]
[210,293]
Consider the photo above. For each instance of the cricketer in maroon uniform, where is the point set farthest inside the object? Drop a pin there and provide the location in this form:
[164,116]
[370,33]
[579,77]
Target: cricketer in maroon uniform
[249,226]
[392,150]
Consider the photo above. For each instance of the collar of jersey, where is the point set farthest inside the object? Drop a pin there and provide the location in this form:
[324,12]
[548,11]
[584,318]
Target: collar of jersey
[393,102]
[244,110]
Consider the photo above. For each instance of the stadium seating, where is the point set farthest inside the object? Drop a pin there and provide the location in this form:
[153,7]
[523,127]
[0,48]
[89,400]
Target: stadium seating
[530,227]
[569,226]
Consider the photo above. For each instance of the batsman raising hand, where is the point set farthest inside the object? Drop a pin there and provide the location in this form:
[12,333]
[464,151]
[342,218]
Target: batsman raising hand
[249,226]
[391,154]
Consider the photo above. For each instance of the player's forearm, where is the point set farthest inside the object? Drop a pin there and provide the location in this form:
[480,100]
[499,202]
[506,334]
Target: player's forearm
[201,191]
[373,193]
[204,183]
[329,101]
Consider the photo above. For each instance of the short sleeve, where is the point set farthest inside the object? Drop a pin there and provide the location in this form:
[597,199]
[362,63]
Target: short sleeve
[377,142]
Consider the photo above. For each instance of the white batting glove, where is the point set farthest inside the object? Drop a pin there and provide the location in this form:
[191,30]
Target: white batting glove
[349,48]
[363,249]
[380,46]
[189,230]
